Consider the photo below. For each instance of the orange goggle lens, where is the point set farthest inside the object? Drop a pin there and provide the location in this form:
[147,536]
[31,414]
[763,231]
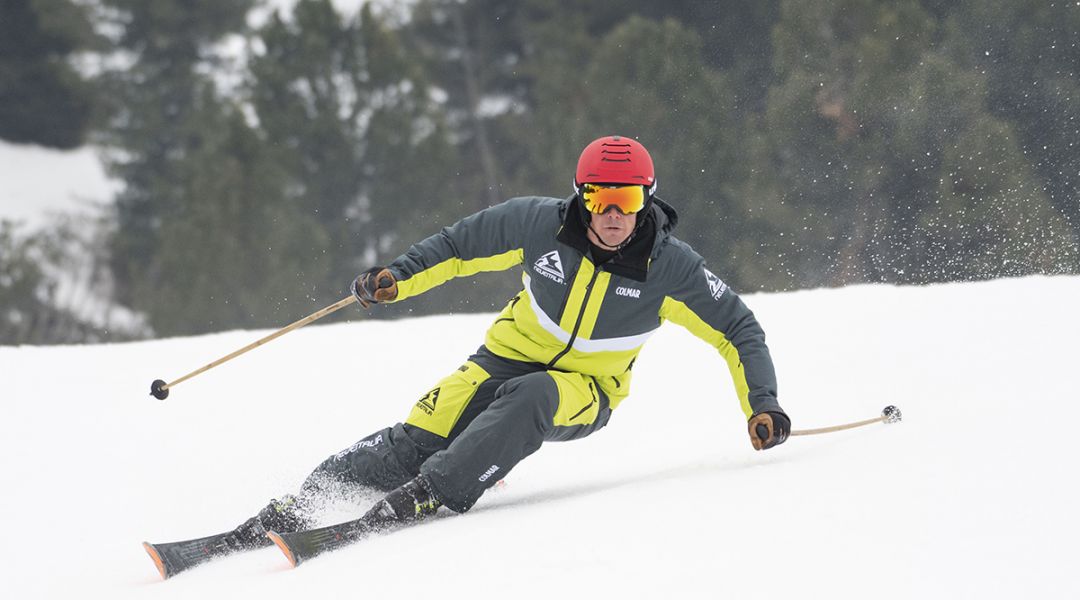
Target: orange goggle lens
[628,199]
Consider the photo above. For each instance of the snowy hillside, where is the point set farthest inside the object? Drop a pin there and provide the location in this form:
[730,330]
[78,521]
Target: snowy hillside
[31,191]
[974,495]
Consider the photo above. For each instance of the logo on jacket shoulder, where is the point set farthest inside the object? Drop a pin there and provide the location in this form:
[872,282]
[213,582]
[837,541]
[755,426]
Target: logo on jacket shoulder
[716,286]
[629,292]
[550,266]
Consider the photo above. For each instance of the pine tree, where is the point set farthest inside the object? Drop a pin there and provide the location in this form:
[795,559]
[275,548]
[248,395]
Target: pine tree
[206,237]
[43,98]
[868,123]
[355,131]
[1031,58]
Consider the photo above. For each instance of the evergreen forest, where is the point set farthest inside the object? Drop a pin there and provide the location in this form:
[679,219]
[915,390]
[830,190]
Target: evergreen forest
[268,153]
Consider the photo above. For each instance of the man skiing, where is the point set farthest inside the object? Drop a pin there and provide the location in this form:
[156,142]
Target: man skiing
[601,272]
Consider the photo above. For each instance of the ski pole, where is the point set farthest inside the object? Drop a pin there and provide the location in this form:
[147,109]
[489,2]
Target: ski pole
[160,390]
[890,414]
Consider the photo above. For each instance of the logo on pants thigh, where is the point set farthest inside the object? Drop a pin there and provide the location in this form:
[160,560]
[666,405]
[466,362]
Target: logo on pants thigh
[364,443]
[491,471]
[427,403]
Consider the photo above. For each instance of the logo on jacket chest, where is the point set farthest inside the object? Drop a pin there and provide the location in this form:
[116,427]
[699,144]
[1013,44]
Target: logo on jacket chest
[629,292]
[550,266]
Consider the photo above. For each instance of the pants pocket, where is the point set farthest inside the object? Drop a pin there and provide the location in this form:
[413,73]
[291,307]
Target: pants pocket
[579,399]
[439,409]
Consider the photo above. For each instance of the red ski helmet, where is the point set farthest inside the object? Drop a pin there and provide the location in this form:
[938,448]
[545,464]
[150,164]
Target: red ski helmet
[616,159]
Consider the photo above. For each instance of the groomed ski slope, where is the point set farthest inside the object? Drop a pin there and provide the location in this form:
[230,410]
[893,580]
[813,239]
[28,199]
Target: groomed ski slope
[974,495]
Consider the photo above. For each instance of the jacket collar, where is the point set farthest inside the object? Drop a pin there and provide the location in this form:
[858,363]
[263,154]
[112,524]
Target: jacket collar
[632,261]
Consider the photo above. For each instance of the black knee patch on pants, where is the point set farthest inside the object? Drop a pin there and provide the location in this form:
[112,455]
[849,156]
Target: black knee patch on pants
[382,461]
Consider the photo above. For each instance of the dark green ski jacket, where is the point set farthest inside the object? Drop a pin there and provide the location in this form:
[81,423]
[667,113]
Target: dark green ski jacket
[575,315]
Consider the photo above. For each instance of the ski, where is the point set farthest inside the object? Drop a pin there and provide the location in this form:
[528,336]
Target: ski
[303,545]
[171,558]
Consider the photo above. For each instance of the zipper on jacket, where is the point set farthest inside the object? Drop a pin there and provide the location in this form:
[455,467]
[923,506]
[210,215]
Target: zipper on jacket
[513,301]
[566,297]
[580,316]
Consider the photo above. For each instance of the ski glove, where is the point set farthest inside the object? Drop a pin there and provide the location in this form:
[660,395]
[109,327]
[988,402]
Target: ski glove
[768,429]
[373,286]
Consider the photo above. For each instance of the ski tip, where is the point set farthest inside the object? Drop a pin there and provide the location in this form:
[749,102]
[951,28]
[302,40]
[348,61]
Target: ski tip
[284,547]
[156,557]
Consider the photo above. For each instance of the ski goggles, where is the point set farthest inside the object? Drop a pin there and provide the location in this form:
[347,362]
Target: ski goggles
[597,198]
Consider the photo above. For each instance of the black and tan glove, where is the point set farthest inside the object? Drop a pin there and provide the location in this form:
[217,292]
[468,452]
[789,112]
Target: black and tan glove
[768,429]
[374,286]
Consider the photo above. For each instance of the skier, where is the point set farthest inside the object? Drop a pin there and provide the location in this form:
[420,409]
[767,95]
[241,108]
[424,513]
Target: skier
[601,272]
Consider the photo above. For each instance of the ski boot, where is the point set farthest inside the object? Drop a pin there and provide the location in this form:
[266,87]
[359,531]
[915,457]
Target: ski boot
[285,515]
[407,504]
[411,502]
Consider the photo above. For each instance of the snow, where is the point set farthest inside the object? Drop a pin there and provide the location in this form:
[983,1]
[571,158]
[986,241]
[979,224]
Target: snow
[36,182]
[969,497]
